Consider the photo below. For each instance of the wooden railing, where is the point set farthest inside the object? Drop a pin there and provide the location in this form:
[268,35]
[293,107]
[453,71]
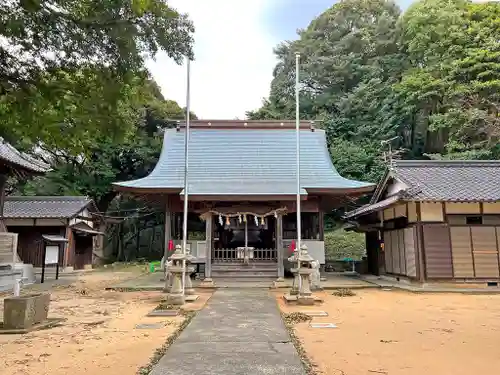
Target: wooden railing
[238,255]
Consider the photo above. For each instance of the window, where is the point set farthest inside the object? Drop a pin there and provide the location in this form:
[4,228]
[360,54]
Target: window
[474,220]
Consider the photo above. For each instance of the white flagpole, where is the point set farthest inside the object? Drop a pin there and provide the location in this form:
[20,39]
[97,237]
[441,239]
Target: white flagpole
[297,131]
[186,186]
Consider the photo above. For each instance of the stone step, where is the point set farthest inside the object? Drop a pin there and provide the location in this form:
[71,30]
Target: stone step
[243,268]
[241,282]
[247,274]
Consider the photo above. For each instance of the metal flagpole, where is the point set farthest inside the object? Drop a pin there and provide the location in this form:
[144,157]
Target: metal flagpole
[297,131]
[186,185]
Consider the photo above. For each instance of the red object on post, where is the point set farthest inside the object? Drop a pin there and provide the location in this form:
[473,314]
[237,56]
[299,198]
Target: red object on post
[170,245]
[292,246]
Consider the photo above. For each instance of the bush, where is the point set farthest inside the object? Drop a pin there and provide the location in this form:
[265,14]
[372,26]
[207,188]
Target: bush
[340,244]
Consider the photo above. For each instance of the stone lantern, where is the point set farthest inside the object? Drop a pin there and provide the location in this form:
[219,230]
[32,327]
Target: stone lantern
[295,286]
[175,295]
[188,288]
[304,259]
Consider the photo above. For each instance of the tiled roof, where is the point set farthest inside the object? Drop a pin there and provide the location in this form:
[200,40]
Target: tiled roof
[63,207]
[248,161]
[438,180]
[18,160]
[457,180]
[369,208]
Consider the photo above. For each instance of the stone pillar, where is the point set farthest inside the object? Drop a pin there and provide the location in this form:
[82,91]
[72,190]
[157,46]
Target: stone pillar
[279,248]
[208,282]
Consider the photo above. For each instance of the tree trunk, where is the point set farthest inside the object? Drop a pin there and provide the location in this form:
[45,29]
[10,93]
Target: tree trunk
[104,202]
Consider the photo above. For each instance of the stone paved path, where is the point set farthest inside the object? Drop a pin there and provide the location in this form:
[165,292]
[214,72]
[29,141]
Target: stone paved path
[239,332]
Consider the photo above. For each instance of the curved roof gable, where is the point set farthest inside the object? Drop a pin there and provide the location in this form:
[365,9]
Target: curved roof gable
[245,161]
[17,160]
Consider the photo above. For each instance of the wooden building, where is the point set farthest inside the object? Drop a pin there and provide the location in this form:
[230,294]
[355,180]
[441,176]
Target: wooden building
[242,183]
[434,220]
[65,216]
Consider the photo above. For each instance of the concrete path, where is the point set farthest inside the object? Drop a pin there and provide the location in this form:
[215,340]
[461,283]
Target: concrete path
[240,331]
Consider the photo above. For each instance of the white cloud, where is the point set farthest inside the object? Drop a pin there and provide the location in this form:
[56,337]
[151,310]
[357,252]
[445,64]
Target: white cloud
[233,63]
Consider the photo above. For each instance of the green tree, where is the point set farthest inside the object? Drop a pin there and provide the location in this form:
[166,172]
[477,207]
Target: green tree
[72,71]
[451,89]
[350,58]
[429,76]
[107,160]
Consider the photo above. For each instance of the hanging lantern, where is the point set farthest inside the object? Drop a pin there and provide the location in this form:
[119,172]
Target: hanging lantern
[228,221]
[245,218]
[239,218]
[221,222]
[256,219]
[276,214]
[262,221]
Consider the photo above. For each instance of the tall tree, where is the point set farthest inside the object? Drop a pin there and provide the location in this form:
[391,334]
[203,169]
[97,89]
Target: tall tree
[70,70]
[108,160]
[430,76]
[451,89]
[349,60]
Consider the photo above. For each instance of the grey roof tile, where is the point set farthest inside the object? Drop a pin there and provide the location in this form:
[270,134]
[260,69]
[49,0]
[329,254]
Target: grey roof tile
[457,180]
[44,207]
[439,180]
[10,155]
[245,161]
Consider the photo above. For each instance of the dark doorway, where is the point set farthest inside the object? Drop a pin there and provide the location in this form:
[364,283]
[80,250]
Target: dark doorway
[83,250]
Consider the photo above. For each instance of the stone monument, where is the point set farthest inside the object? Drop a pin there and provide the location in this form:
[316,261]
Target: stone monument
[188,287]
[315,276]
[167,276]
[26,311]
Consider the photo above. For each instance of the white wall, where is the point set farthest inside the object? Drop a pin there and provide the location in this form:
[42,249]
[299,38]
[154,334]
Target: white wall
[84,213]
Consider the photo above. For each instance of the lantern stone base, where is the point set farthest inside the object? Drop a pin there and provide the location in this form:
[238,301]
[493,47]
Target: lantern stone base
[207,283]
[191,297]
[305,300]
[295,299]
[279,283]
[175,299]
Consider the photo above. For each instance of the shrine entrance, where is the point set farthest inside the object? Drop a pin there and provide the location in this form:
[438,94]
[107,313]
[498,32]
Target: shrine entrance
[246,239]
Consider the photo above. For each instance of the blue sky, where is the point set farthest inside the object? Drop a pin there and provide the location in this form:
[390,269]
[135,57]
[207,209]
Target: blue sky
[234,58]
[284,17]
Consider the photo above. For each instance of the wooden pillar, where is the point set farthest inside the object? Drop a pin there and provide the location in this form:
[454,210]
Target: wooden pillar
[168,230]
[279,247]
[321,223]
[208,255]
[419,234]
[68,246]
[3,183]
